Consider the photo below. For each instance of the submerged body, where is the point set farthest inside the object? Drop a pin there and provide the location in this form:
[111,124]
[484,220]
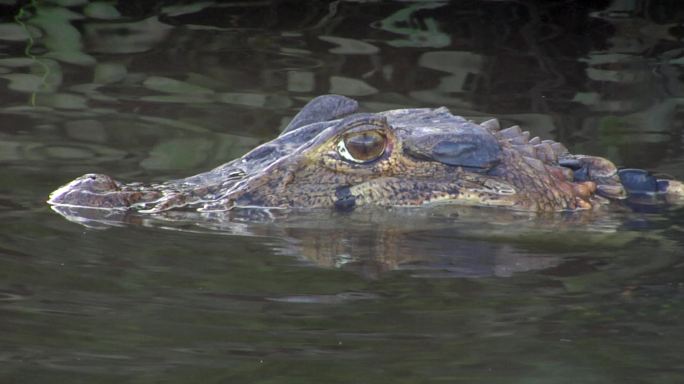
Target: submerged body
[330,156]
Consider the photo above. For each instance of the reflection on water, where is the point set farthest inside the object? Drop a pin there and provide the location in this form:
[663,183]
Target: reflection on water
[160,90]
[432,242]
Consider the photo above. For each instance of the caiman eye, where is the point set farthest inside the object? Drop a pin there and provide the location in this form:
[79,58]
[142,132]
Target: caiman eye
[362,147]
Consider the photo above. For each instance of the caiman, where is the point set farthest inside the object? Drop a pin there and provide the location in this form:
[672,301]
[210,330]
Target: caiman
[333,156]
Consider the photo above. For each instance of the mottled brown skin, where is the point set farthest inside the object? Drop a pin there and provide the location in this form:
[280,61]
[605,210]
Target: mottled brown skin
[429,157]
[314,178]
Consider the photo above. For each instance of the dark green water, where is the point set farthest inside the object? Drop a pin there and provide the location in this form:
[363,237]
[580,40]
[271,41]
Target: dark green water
[158,90]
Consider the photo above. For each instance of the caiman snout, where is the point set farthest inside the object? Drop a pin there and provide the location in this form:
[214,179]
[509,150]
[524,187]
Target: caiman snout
[91,183]
[95,191]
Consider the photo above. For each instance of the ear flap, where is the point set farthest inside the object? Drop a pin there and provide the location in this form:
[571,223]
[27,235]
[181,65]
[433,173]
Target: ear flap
[468,151]
[323,108]
[469,148]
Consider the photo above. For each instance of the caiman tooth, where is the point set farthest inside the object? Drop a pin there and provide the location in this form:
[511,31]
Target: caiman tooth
[510,132]
[535,163]
[535,140]
[525,150]
[545,153]
[492,125]
[559,149]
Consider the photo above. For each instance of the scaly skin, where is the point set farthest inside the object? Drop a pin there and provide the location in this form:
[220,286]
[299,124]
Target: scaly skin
[429,157]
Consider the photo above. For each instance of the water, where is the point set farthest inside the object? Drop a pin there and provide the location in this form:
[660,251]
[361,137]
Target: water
[159,90]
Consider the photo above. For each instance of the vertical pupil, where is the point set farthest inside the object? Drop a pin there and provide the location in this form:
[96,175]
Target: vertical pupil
[365,146]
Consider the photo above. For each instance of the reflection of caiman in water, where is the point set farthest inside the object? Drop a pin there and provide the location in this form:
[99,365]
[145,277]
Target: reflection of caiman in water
[332,156]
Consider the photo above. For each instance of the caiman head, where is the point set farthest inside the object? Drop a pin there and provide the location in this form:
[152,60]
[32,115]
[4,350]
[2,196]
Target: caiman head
[331,156]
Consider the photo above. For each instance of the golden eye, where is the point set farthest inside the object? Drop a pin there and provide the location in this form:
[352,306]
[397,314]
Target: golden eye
[362,147]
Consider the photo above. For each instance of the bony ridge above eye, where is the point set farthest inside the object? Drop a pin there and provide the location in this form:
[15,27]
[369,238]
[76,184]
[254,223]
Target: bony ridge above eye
[362,147]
